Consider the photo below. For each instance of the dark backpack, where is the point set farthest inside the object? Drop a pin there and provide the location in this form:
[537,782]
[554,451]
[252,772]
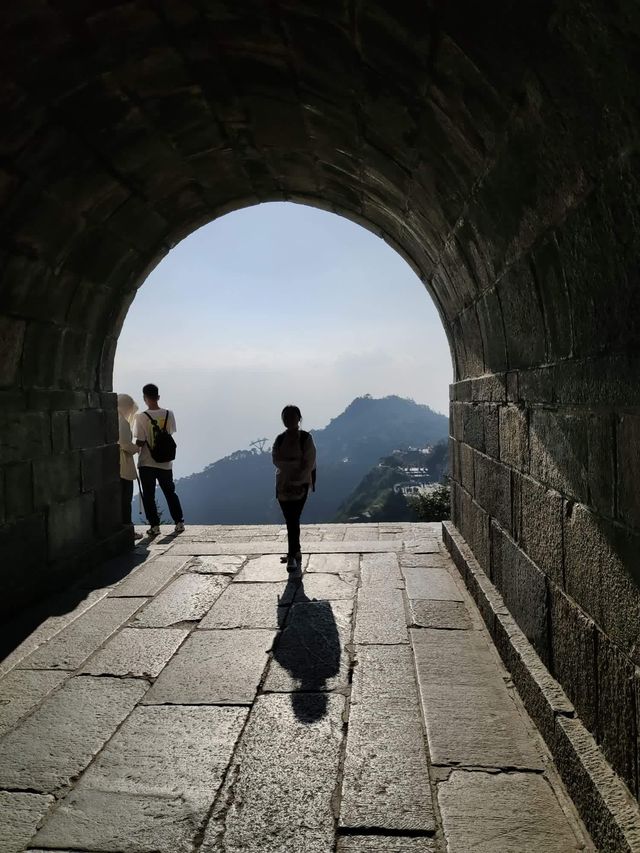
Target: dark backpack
[163,448]
[303,437]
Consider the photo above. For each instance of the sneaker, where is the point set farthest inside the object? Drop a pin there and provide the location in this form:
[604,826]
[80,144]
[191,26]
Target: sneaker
[137,536]
[292,565]
[179,528]
[154,530]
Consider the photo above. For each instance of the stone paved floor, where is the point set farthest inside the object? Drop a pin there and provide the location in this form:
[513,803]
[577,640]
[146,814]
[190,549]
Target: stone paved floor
[189,697]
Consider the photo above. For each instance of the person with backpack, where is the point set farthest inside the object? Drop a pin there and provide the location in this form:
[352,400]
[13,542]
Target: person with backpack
[153,431]
[294,455]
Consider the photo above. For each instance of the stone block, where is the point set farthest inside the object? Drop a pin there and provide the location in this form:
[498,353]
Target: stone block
[23,550]
[385,844]
[514,437]
[523,587]
[489,389]
[150,577]
[328,586]
[467,474]
[450,615]
[385,779]
[493,488]
[540,528]
[370,629]
[549,274]
[573,655]
[380,570]
[140,652]
[20,814]
[55,744]
[282,794]
[60,437]
[72,646]
[25,436]
[108,509]
[475,529]
[216,565]
[538,385]
[42,354]
[87,429]
[100,466]
[473,425]
[12,333]
[248,605]
[601,573]
[56,478]
[616,710]
[185,599]
[492,430]
[601,464]
[472,358]
[453,658]
[492,331]
[628,469]
[70,525]
[559,452]
[513,393]
[520,809]
[214,668]
[456,420]
[523,322]
[434,583]
[22,691]
[18,490]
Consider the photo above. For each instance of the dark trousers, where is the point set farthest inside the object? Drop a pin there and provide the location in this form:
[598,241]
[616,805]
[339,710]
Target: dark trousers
[148,478]
[292,510]
[126,492]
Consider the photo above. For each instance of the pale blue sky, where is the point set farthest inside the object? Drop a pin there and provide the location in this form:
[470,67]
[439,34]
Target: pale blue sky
[274,304]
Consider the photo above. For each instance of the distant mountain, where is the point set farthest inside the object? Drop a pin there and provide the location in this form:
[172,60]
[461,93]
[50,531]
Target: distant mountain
[240,489]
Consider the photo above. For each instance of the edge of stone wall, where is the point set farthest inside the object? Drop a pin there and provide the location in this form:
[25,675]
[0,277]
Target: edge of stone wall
[607,807]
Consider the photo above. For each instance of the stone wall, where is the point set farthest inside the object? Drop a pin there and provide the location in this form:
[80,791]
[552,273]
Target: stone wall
[494,145]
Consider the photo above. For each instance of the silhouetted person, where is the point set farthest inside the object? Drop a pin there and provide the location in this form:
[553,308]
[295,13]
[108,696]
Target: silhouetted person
[148,426]
[127,409]
[294,455]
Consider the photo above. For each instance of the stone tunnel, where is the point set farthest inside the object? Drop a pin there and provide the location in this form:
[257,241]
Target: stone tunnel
[495,146]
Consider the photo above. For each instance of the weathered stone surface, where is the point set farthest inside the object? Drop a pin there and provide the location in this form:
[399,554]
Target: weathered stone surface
[327,546]
[440,614]
[385,844]
[559,451]
[436,583]
[380,569]
[333,563]
[601,462]
[516,811]
[59,739]
[573,651]
[540,527]
[329,586]
[22,690]
[136,651]
[628,469]
[310,654]
[424,561]
[214,667]
[267,569]
[385,783]
[514,437]
[74,644]
[453,657]
[150,577]
[250,605]
[374,599]
[283,777]
[493,488]
[186,599]
[20,814]
[217,565]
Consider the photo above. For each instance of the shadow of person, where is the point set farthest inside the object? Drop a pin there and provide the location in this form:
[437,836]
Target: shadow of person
[308,649]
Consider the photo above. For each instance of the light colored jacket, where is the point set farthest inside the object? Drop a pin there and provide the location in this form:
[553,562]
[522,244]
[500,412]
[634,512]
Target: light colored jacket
[127,449]
[295,461]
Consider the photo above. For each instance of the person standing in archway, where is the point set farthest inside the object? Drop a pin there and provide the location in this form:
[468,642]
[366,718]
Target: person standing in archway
[294,455]
[127,409]
[152,433]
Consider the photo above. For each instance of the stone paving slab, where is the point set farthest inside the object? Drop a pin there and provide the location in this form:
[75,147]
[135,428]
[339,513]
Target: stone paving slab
[505,812]
[20,814]
[310,653]
[265,569]
[381,569]
[187,598]
[21,690]
[259,548]
[473,726]
[434,583]
[150,577]
[328,586]
[214,668]
[386,782]
[249,605]
[433,560]
[451,615]
[73,645]
[453,657]
[282,780]
[58,740]
[221,565]
[371,627]
[141,652]
[333,563]
[386,844]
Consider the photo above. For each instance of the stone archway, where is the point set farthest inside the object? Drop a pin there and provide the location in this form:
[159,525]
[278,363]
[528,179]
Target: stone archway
[496,149]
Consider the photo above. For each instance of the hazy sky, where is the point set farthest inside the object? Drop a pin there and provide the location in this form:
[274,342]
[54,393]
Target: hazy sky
[278,303]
